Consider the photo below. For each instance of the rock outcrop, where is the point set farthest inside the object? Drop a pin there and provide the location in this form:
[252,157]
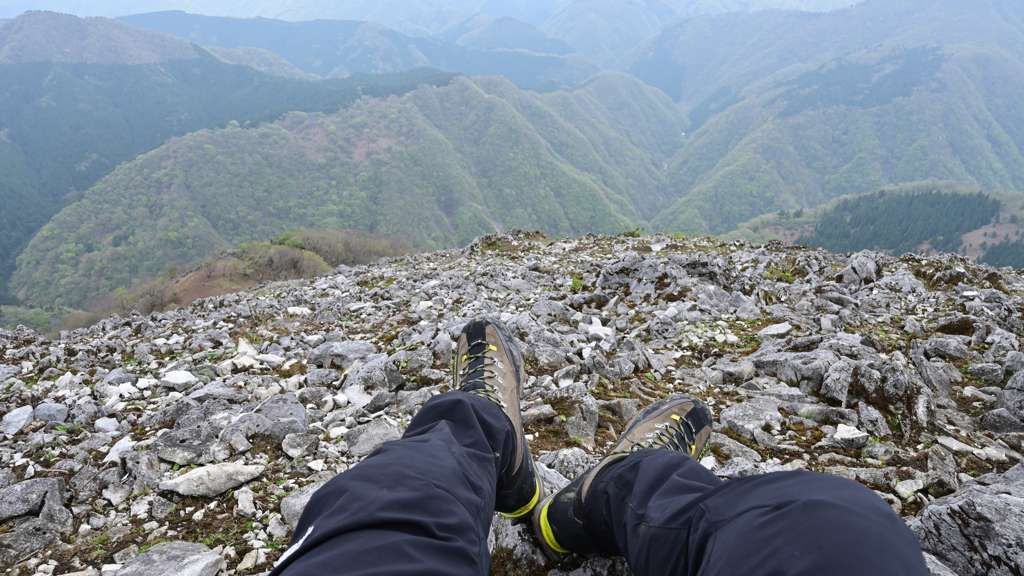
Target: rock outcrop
[189,442]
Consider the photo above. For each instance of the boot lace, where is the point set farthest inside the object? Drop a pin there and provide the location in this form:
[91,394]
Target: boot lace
[475,381]
[678,435]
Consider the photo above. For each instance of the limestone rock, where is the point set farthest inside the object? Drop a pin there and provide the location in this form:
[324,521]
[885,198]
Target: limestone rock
[341,354]
[175,559]
[293,504]
[850,437]
[748,419]
[16,420]
[212,480]
[1000,420]
[568,462]
[977,531]
[51,412]
[368,437]
[776,330]
[1013,396]
[29,496]
[179,380]
[299,445]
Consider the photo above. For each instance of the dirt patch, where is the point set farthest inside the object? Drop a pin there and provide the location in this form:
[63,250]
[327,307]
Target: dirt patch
[990,234]
[221,278]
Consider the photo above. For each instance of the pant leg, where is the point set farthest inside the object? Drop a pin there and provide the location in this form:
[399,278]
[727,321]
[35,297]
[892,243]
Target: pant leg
[668,515]
[419,505]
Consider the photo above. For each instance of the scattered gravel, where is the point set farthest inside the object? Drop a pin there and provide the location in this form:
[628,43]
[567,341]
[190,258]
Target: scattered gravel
[189,441]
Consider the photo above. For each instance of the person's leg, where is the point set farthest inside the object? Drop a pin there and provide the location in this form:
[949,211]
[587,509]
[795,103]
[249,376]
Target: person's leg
[420,505]
[423,504]
[652,502]
[666,514]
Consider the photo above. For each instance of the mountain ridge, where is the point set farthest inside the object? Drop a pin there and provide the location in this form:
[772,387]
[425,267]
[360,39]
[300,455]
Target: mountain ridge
[336,48]
[63,125]
[438,166]
[54,37]
[815,106]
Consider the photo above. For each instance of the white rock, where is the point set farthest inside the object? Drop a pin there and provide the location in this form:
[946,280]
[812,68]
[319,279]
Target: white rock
[776,330]
[357,396]
[907,488]
[16,420]
[299,311]
[850,437]
[106,425]
[340,400]
[958,447]
[271,360]
[212,480]
[248,562]
[244,497]
[277,528]
[178,379]
[245,348]
[123,446]
[996,454]
[244,362]
[175,559]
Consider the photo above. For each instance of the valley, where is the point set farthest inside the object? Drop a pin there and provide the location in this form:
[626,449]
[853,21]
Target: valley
[239,242]
[817,106]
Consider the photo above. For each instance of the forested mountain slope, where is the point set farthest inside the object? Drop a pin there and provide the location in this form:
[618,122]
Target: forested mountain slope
[336,48]
[504,32]
[901,223]
[921,217]
[439,166]
[812,107]
[605,30]
[262,60]
[51,37]
[63,125]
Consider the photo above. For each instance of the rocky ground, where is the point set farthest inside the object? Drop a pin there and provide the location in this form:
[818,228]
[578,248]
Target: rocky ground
[189,442]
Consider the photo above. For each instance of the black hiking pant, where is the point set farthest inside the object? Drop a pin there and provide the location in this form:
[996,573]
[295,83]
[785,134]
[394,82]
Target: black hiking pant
[422,505]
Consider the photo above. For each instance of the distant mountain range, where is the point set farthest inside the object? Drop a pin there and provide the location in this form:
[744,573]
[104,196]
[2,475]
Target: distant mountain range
[794,109]
[602,30]
[738,115]
[504,32]
[418,17]
[78,97]
[336,48]
[605,30]
[438,166]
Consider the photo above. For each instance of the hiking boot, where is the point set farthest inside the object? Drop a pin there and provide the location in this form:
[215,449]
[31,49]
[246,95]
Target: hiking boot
[489,364]
[681,423]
